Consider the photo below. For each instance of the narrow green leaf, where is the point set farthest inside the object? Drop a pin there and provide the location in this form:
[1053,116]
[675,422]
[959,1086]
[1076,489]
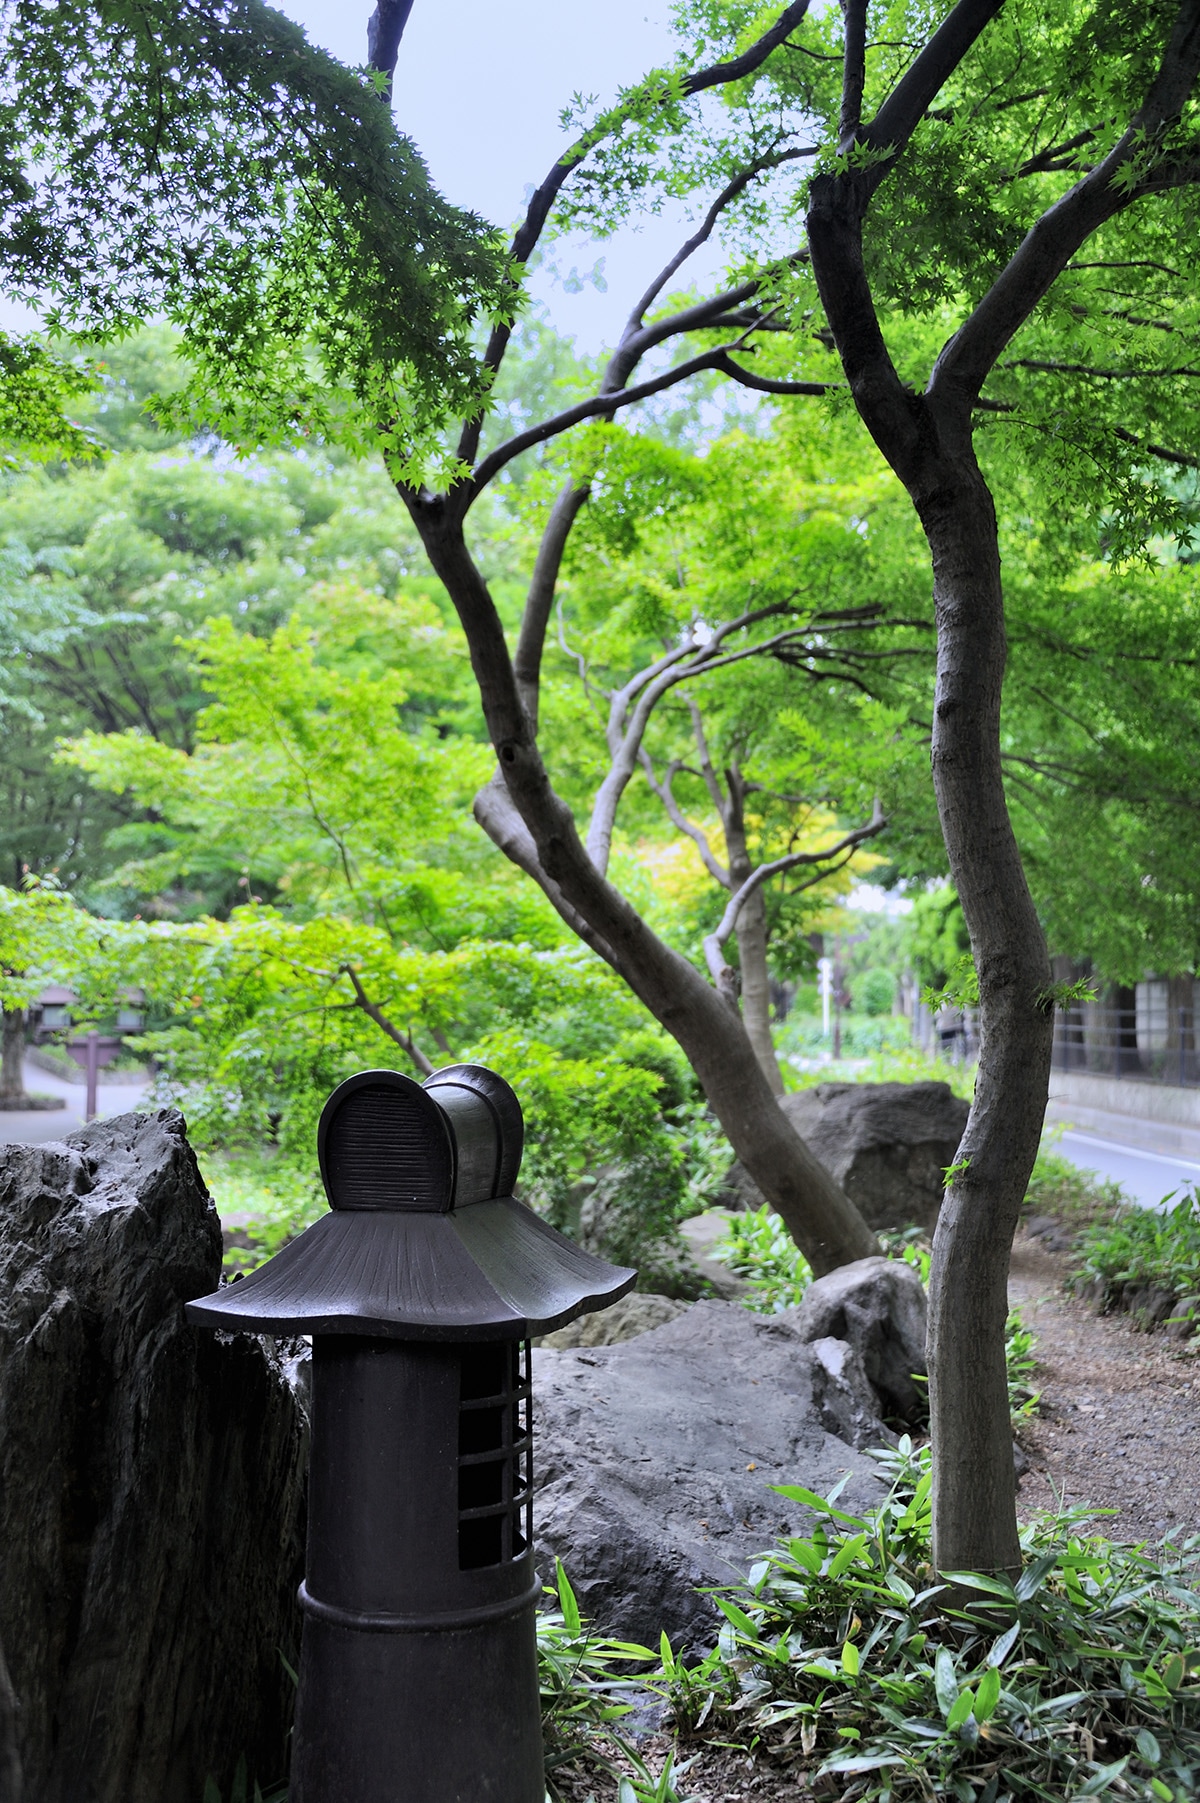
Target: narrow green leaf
[1034,1576]
[987,1695]
[846,1556]
[1106,1776]
[1003,1645]
[1148,1747]
[566,1601]
[978,1580]
[626,1792]
[850,1659]
[1162,1790]
[963,1707]
[945,1681]
[797,1493]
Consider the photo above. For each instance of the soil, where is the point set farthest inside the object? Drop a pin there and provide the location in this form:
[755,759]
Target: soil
[1120,1413]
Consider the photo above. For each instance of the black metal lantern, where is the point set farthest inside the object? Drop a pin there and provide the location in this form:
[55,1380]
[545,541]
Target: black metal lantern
[421,1289]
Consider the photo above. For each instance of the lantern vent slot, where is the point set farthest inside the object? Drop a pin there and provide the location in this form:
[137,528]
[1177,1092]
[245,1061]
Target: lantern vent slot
[495,1455]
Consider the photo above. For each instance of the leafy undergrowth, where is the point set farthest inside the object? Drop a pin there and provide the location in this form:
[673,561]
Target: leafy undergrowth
[759,1249]
[1078,1198]
[845,1650]
[1140,1251]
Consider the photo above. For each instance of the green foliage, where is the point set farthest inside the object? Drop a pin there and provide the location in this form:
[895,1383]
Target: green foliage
[1081,1678]
[206,162]
[940,941]
[36,391]
[1058,1187]
[874,992]
[584,1679]
[1141,1246]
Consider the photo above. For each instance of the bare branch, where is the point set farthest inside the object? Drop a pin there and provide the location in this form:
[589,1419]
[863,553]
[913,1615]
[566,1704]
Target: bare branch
[544,197]
[714,944]
[626,728]
[679,819]
[768,385]
[540,598]
[598,407]
[725,198]
[854,72]
[906,105]
[385,28]
[374,1012]
[497,814]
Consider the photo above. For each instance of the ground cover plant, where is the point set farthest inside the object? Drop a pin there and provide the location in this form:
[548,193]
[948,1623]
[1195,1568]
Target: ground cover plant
[1146,1262]
[1082,1678]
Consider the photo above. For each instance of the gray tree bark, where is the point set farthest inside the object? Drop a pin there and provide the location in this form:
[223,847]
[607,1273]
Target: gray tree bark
[151,1483]
[12,1058]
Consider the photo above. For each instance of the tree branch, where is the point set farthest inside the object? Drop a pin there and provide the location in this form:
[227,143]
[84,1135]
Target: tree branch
[385,28]
[374,1012]
[714,944]
[906,105]
[679,819]
[497,814]
[1065,227]
[854,72]
[540,598]
[543,198]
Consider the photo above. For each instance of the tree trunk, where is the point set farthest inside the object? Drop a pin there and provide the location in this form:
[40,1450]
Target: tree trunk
[535,828]
[12,1065]
[974,1494]
[756,986]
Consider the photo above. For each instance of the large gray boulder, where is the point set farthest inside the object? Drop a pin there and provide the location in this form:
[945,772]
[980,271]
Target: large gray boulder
[654,1459]
[151,1499]
[887,1144]
[878,1307]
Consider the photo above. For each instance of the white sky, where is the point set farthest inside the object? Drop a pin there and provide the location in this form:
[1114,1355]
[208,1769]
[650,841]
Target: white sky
[479,88]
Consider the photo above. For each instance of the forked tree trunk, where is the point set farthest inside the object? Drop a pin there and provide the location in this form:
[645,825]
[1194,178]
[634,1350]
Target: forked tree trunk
[12,1062]
[974,1495]
[756,987]
[534,827]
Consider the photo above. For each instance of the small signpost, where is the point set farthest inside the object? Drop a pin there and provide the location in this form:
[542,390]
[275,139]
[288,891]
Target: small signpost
[93,1052]
[421,1289]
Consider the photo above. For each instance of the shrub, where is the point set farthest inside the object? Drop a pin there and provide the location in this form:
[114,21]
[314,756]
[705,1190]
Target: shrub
[874,992]
[1077,1679]
[1138,1247]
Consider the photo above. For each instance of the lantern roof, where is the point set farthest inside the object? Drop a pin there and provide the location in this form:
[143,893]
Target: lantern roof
[423,1240]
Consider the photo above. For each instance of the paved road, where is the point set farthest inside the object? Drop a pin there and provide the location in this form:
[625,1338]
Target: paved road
[1147,1177]
[32,1127]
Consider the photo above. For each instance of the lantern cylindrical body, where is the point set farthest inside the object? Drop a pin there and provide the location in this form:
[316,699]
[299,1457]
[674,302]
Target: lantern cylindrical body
[418,1668]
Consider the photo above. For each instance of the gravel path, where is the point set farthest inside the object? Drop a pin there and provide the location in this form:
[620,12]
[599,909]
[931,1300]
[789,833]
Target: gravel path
[1120,1426]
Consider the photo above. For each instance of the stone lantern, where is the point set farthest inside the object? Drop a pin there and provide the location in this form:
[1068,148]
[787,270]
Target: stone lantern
[421,1289]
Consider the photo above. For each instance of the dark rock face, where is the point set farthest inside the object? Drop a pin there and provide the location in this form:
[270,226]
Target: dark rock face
[151,1482]
[654,1460]
[887,1144]
[877,1306]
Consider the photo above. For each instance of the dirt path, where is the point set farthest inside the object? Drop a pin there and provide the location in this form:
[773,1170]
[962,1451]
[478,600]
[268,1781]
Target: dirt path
[1120,1426]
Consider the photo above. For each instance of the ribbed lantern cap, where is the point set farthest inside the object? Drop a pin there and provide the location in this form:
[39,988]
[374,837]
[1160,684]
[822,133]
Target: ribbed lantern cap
[424,1240]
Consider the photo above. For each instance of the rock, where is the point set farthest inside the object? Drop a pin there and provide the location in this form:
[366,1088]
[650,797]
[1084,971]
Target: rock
[150,1482]
[632,1315]
[887,1144]
[700,1233]
[10,1756]
[654,1460]
[877,1305]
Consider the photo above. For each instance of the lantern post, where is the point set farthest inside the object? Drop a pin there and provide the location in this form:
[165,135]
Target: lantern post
[421,1290]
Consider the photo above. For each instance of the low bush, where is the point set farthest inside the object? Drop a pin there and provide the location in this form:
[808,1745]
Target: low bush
[845,1649]
[1059,1188]
[1139,1249]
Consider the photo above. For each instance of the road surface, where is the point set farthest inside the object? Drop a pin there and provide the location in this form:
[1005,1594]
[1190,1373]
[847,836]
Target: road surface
[1146,1177]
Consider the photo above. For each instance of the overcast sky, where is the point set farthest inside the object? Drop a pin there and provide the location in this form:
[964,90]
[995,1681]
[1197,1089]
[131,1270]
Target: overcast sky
[479,88]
